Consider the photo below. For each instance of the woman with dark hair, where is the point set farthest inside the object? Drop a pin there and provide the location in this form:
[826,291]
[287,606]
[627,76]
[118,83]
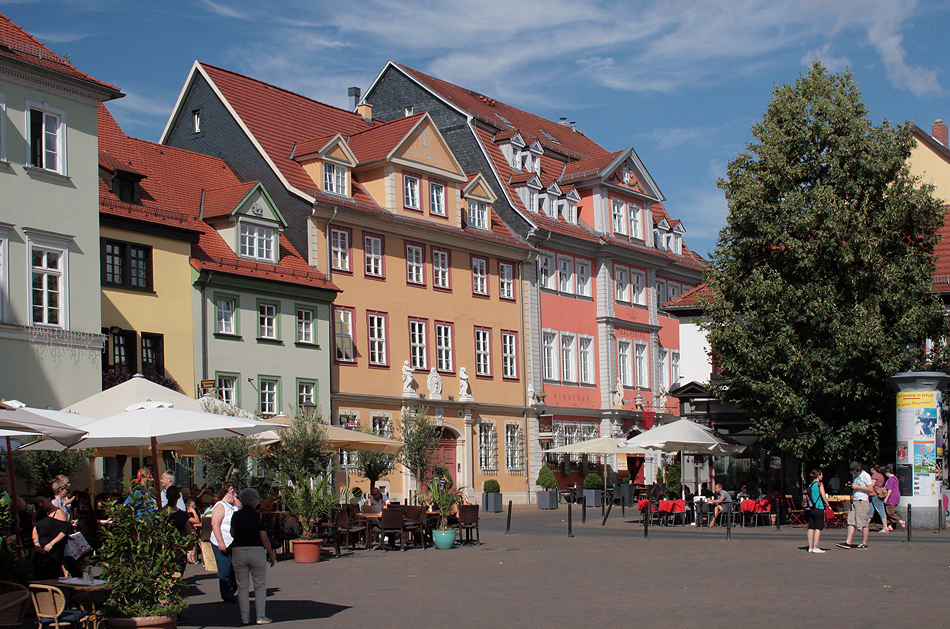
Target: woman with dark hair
[877,497]
[251,552]
[49,537]
[221,540]
[891,499]
[816,514]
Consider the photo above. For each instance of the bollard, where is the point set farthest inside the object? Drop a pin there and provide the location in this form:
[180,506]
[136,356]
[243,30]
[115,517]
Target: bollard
[909,524]
[508,528]
[646,521]
[729,521]
[778,514]
[570,521]
[607,515]
[603,504]
[623,506]
[941,525]
[583,509]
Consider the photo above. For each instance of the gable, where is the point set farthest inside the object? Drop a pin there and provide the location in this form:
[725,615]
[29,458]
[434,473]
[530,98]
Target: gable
[627,177]
[259,206]
[478,188]
[424,145]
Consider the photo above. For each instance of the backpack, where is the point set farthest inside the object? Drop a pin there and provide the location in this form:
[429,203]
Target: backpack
[806,499]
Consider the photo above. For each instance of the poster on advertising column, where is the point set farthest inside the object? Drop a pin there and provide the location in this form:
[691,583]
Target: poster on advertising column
[919,451]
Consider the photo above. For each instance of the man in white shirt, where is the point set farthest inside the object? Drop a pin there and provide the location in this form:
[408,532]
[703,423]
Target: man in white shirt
[862,487]
[166,480]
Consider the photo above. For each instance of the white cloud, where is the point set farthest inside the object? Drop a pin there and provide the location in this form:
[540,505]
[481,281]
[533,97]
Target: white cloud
[671,138]
[225,11]
[823,54]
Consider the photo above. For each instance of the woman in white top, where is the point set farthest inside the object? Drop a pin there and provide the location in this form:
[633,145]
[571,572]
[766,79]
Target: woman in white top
[221,540]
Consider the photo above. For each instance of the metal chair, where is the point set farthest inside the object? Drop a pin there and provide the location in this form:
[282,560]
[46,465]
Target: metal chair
[415,522]
[392,522]
[50,605]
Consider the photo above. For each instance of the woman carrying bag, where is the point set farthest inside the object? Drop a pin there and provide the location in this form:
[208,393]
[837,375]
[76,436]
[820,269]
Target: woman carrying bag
[815,517]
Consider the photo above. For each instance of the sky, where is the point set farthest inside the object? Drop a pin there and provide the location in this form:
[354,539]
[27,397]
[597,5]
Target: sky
[682,82]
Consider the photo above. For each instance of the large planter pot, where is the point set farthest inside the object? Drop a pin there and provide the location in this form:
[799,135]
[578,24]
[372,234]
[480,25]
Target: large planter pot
[593,497]
[491,503]
[158,622]
[625,493]
[307,550]
[547,499]
[443,539]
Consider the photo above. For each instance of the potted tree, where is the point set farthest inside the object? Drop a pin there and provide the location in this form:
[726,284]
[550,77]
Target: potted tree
[444,497]
[624,490]
[491,496]
[308,502]
[142,557]
[547,497]
[593,490]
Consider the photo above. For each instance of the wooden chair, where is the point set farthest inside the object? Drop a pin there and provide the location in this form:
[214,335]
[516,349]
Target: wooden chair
[796,516]
[14,599]
[416,523]
[392,522]
[468,522]
[50,605]
[346,528]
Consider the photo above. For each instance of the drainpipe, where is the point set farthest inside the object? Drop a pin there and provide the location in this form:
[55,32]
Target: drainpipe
[524,382]
[329,275]
[204,328]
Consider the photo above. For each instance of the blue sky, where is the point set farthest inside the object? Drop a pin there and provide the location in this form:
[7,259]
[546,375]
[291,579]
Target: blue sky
[680,81]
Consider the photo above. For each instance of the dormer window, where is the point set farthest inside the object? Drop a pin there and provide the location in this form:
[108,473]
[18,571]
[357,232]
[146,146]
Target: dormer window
[532,200]
[516,157]
[527,161]
[334,179]
[196,121]
[258,242]
[477,215]
[569,211]
[124,188]
[407,111]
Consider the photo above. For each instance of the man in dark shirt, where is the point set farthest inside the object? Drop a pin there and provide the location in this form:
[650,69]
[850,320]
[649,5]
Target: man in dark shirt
[251,552]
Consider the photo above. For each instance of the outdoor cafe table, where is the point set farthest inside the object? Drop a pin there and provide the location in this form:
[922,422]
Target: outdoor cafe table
[88,591]
[840,505]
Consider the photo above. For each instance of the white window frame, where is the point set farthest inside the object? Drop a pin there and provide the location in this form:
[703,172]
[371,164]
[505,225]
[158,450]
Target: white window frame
[443,348]
[343,335]
[4,266]
[565,274]
[674,367]
[373,255]
[549,354]
[303,394]
[267,321]
[479,276]
[306,319]
[376,338]
[514,449]
[640,365]
[585,359]
[482,352]
[269,396]
[415,264]
[410,191]
[61,157]
[622,284]
[506,280]
[568,357]
[196,121]
[638,282]
[619,215]
[533,200]
[662,368]
[636,220]
[660,292]
[257,241]
[546,276]
[49,245]
[418,352]
[509,355]
[3,128]
[436,199]
[339,249]
[383,425]
[487,447]
[582,274]
[334,179]
[625,362]
[477,215]
[440,269]
[227,389]
[570,212]
[225,324]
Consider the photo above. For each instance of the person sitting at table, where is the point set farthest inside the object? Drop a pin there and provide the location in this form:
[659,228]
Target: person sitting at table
[704,491]
[195,521]
[743,494]
[377,498]
[722,497]
[49,539]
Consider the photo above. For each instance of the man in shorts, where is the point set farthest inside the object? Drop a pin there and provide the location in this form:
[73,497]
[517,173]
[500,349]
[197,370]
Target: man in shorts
[861,489]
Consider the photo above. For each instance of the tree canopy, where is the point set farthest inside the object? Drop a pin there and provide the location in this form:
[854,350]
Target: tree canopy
[821,278]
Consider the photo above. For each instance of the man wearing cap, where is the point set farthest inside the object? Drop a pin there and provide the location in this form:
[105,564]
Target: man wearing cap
[861,489]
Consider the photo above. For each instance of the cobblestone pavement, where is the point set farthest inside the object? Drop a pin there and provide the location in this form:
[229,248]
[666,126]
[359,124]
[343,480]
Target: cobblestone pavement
[607,576]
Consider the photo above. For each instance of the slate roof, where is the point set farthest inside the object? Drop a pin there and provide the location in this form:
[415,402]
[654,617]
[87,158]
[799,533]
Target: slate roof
[171,196]
[17,44]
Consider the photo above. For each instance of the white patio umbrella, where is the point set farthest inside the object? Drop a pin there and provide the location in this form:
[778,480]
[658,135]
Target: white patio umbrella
[136,389]
[685,436]
[603,446]
[152,423]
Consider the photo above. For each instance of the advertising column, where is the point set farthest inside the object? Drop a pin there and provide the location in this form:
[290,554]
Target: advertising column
[920,456]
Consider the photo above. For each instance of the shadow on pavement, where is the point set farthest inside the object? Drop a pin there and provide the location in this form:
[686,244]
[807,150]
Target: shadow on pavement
[218,615]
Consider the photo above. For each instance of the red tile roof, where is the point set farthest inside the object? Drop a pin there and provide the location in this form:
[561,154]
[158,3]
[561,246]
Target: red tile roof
[377,143]
[941,277]
[222,201]
[171,195]
[495,113]
[312,146]
[690,299]
[16,43]
[278,119]
[582,169]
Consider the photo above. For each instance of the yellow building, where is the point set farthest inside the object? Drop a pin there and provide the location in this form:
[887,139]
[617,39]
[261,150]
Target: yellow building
[930,160]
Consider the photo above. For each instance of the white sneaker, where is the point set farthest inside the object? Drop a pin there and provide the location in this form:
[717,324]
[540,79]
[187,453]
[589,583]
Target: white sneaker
[817,550]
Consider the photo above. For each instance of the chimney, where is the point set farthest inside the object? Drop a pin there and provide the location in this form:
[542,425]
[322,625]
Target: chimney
[939,131]
[563,122]
[354,93]
[573,128]
[365,110]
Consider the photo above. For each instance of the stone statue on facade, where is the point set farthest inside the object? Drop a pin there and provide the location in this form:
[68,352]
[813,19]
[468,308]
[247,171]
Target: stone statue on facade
[435,385]
[465,394]
[618,394]
[406,380]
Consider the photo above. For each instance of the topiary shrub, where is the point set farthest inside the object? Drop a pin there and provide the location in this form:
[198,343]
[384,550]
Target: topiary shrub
[491,486]
[546,478]
[593,481]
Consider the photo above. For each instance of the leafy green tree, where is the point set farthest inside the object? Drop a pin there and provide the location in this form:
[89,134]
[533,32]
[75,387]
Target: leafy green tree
[421,436]
[39,467]
[225,458]
[374,465]
[304,449]
[822,274]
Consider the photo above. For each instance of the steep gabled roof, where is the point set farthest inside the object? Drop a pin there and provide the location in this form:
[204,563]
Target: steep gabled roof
[380,141]
[690,299]
[17,44]
[171,196]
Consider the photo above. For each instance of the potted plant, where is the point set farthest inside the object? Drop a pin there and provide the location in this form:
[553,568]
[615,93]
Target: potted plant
[624,490]
[547,499]
[593,490]
[491,496]
[142,557]
[444,497]
[308,501]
